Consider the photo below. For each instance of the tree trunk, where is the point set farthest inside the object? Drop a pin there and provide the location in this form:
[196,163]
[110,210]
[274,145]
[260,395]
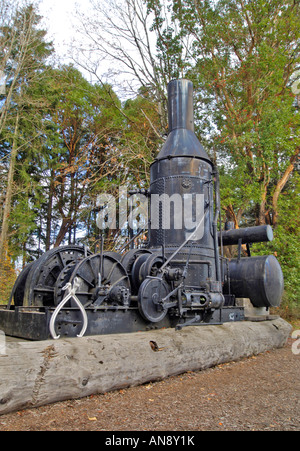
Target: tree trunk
[262,213]
[261,217]
[231,216]
[9,189]
[49,212]
[282,182]
[64,228]
[24,261]
[38,373]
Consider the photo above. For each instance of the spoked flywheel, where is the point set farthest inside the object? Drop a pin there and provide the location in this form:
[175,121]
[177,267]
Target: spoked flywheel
[102,280]
[35,285]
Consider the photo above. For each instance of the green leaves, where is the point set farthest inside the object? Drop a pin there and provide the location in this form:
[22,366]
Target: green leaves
[244,56]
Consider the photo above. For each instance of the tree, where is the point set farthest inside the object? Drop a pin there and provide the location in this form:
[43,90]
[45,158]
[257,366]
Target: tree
[119,45]
[241,56]
[83,126]
[23,51]
[244,54]
[286,245]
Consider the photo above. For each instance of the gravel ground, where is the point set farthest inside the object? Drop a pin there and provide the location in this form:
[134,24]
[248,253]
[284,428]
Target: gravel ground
[257,393]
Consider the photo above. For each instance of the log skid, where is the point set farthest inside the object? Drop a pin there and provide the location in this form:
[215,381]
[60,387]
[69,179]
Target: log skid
[39,373]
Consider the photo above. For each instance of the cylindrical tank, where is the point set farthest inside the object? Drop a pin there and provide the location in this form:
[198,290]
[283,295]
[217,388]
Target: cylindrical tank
[258,278]
[182,194]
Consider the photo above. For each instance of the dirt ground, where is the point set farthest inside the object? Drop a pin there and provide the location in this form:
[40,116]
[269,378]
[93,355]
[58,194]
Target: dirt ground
[257,393]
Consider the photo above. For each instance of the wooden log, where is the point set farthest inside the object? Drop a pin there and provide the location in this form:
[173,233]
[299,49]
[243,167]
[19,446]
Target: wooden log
[38,373]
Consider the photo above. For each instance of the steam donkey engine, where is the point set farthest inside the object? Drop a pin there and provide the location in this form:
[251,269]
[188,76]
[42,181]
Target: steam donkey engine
[179,278]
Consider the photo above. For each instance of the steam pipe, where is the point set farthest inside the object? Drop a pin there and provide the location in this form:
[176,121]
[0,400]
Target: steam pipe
[257,234]
[215,225]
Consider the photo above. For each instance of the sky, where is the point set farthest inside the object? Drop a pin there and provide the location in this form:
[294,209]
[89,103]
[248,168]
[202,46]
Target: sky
[58,20]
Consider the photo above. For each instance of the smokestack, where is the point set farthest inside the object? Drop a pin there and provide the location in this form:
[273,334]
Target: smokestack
[181,141]
[180,105]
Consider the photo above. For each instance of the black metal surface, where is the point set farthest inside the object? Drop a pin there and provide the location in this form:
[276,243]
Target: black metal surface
[105,321]
[182,171]
[44,272]
[17,294]
[129,261]
[98,277]
[25,322]
[182,140]
[180,105]
[247,235]
[212,317]
[258,278]
[151,292]
[31,324]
